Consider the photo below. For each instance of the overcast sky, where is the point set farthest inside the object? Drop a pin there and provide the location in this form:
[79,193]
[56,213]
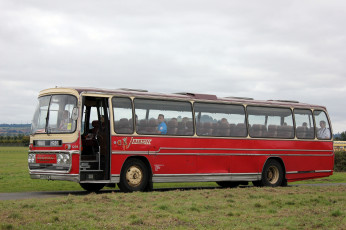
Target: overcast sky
[291,50]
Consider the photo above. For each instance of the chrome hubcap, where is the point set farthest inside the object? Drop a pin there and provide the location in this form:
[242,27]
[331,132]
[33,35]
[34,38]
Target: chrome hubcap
[134,176]
[273,174]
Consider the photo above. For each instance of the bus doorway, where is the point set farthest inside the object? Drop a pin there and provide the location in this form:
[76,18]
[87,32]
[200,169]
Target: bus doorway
[95,135]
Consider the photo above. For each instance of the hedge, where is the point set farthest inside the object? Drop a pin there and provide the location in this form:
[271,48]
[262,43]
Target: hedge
[340,161]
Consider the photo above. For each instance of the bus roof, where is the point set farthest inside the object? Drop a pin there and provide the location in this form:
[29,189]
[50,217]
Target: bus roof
[181,95]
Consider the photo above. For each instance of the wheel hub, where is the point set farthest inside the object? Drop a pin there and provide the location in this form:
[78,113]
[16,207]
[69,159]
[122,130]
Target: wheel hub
[273,174]
[134,176]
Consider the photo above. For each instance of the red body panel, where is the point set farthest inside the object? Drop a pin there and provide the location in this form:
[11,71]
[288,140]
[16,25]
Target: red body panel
[193,155]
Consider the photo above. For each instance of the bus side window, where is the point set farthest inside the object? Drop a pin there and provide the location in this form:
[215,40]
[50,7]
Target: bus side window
[304,124]
[270,122]
[322,125]
[157,117]
[122,110]
[220,120]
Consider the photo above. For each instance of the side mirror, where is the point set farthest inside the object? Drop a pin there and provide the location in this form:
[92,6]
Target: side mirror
[75,114]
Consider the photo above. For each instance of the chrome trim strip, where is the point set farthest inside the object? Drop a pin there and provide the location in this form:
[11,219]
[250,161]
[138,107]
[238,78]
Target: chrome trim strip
[96,181]
[312,171]
[131,152]
[55,151]
[322,171]
[161,178]
[214,154]
[115,178]
[47,171]
[49,176]
[238,149]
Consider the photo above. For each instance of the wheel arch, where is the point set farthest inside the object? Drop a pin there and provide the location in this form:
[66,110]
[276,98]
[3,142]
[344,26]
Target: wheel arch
[142,158]
[278,159]
[281,162]
[148,186]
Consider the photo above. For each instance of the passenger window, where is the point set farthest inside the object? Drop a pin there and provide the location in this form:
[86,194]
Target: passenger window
[163,117]
[270,122]
[304,124]
[322,125]
[220,120]
[122,110]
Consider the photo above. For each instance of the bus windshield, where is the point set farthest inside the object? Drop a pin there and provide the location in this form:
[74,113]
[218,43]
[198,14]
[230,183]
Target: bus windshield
[53,114]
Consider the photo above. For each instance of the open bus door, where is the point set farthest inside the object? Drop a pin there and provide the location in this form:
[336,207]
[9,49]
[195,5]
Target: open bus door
[95,135]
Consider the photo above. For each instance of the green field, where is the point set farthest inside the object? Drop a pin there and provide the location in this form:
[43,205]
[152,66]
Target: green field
[14,176]
[307,207]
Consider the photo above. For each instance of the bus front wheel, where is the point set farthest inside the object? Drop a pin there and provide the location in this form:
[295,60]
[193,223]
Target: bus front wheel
[272,175]
[134,176]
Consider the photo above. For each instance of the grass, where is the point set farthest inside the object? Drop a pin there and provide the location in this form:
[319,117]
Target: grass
[14,176]
[305,207]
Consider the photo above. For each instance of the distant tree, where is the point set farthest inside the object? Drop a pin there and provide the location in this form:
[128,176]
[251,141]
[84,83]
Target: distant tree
[26,140]
[343,136]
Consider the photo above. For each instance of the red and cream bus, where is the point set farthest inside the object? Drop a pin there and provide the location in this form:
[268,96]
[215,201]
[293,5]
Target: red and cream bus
[134,138]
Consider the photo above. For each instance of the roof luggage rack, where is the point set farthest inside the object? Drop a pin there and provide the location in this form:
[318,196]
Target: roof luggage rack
[287,101]
[240,98]
[134,90]
[199,96]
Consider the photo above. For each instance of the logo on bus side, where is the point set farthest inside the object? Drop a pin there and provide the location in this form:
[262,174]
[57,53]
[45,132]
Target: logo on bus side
[141,141]
[126,144]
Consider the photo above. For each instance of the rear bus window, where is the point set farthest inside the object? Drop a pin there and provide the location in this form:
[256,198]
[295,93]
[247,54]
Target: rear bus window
[322,125]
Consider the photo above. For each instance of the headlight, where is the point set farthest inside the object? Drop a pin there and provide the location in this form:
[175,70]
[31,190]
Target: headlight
[67,159]
[60,158]
[63,158]
[31,158]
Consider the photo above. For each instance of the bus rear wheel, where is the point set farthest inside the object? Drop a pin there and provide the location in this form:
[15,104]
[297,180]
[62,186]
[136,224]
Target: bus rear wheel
[272,174]
[134,176]
[92,187]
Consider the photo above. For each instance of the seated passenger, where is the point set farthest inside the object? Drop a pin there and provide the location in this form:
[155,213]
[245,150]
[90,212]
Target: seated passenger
[162,128]
[323,132]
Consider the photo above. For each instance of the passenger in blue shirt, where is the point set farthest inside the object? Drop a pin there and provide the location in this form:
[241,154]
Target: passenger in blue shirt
[162,128]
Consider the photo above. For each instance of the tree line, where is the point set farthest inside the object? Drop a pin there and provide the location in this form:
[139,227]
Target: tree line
[341,137]
[20,139]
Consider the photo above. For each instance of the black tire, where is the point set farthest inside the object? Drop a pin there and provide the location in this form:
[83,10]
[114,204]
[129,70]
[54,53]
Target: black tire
[272,174]
[257,183]
[134,176]
[92,187]
[228,184]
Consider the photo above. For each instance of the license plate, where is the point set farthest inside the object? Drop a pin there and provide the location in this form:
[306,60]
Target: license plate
[46,158]
[47,177]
